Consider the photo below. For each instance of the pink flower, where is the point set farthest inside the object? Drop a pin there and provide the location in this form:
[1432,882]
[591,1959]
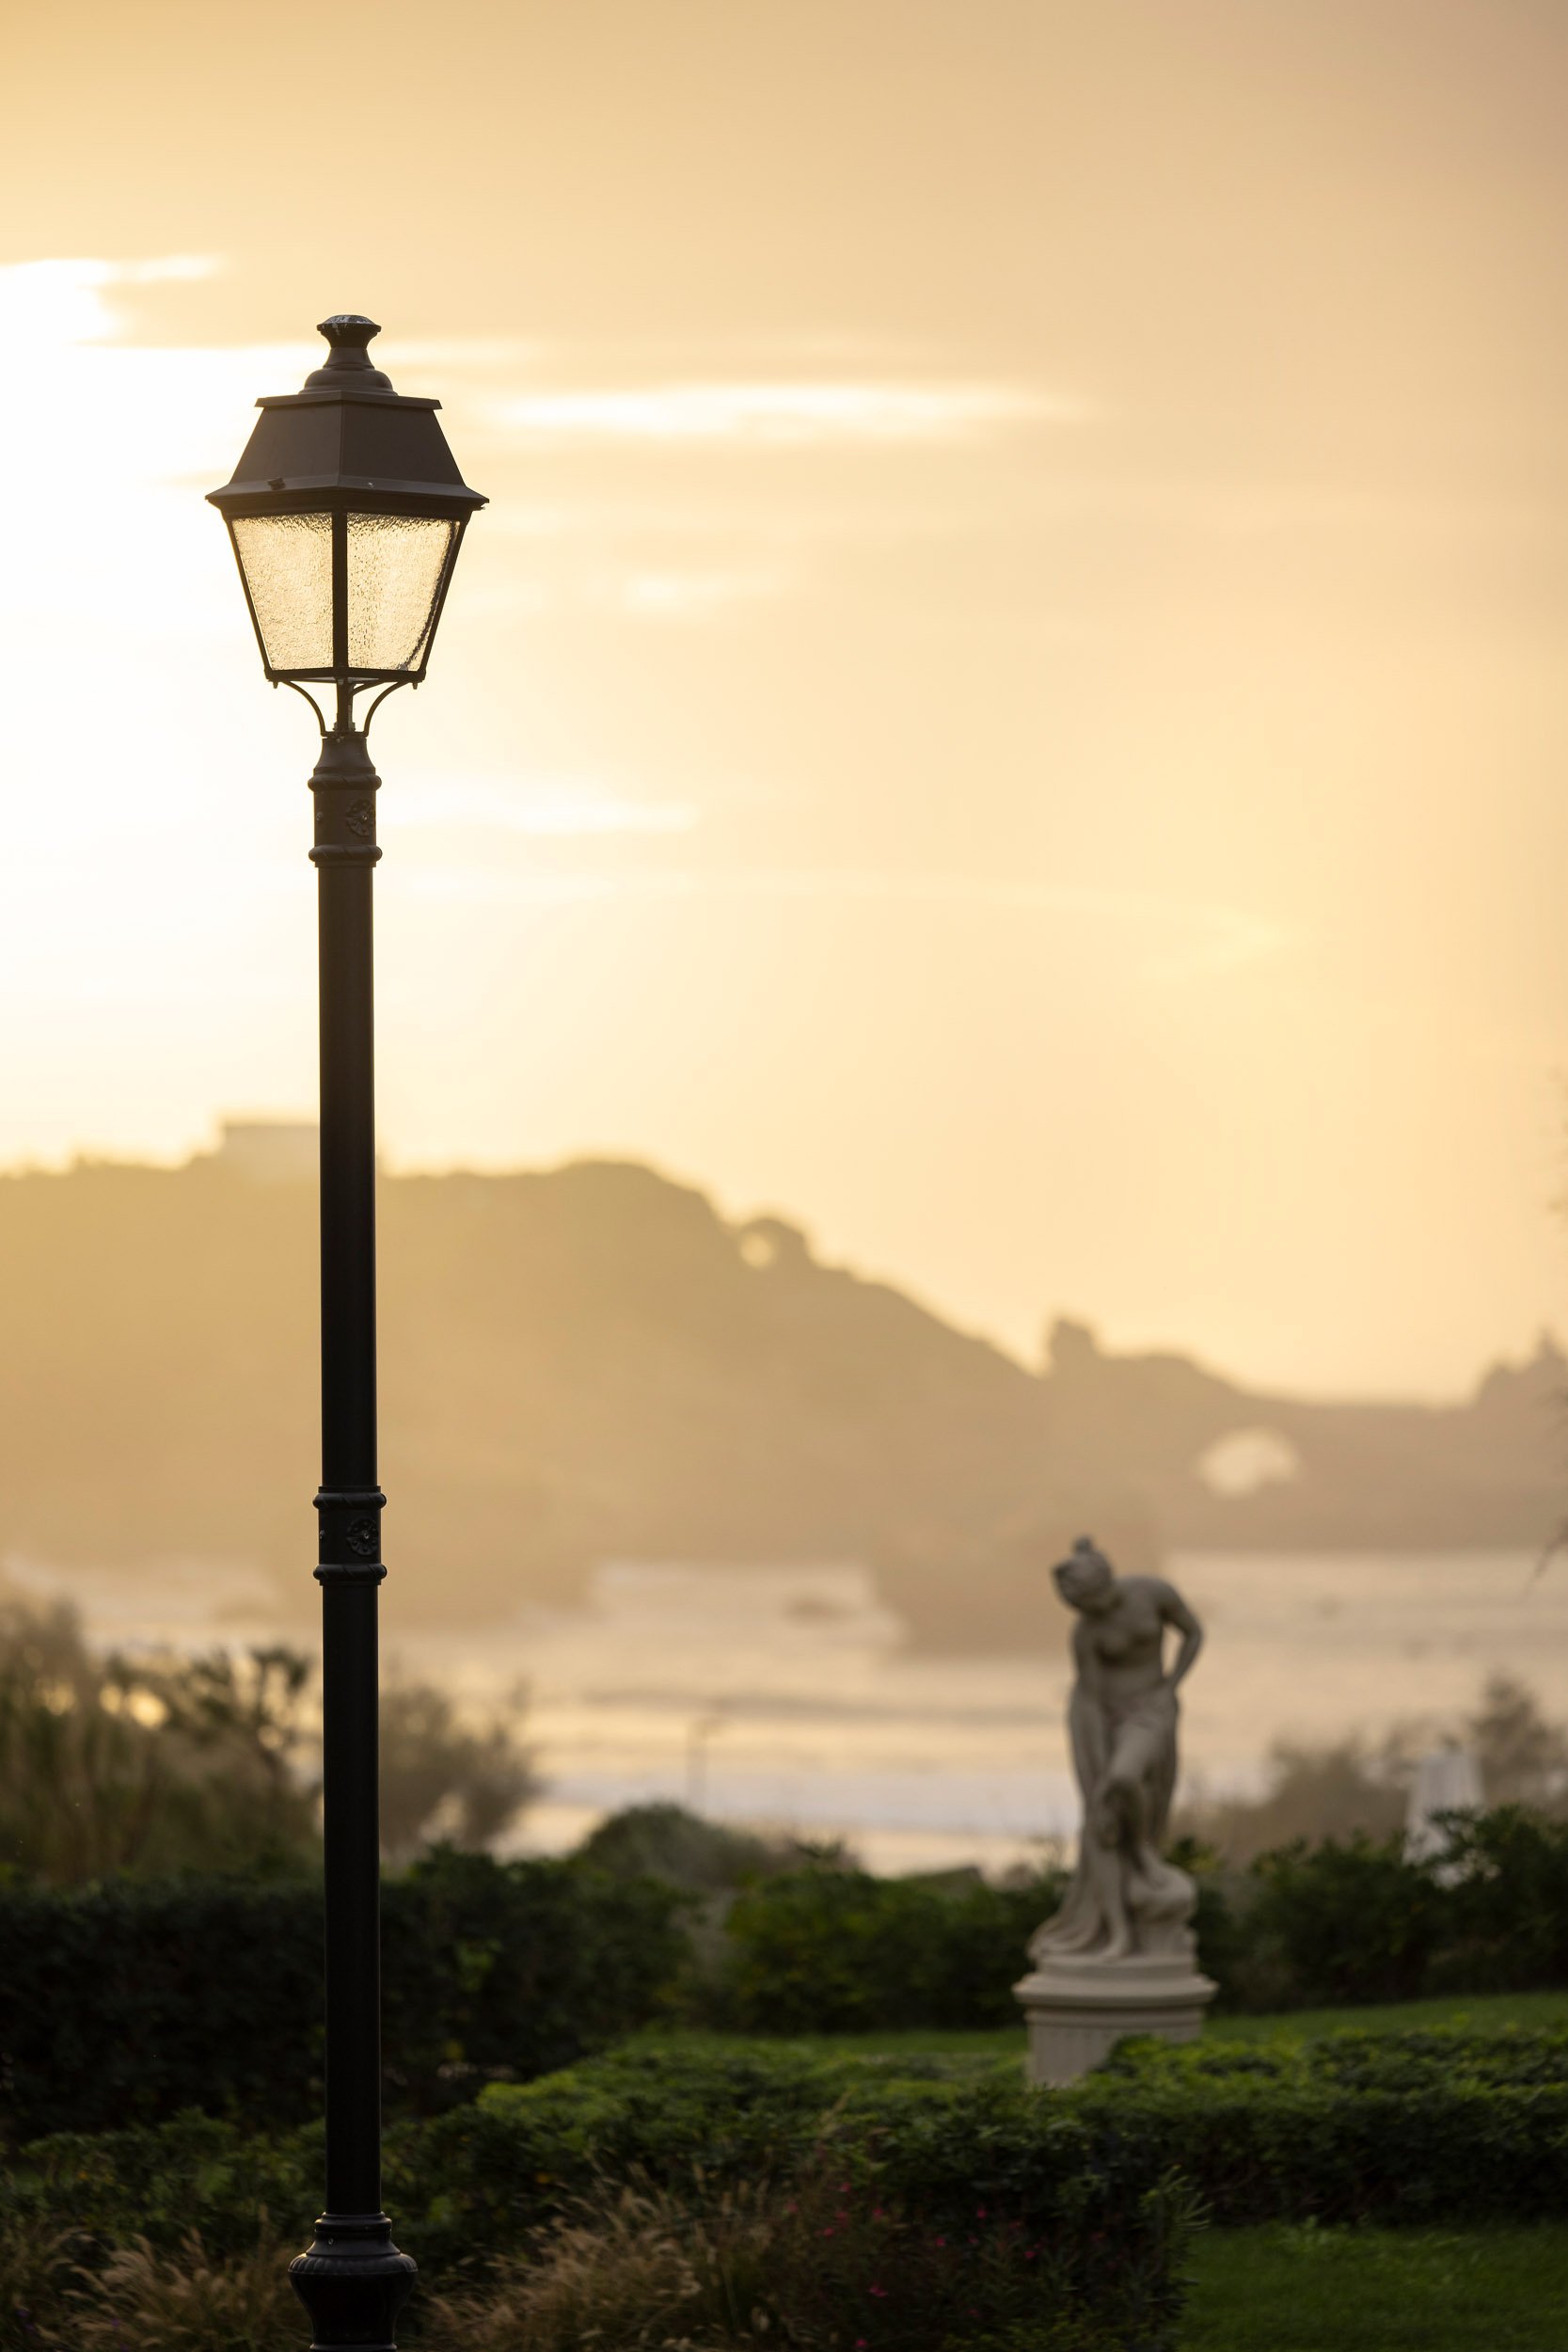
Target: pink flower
[941,2241]
[878,2290]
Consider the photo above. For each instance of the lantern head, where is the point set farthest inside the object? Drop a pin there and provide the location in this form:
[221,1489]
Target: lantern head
[346,512]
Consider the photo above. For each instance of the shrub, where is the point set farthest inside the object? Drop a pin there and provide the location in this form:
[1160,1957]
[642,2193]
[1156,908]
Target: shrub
[665,1841]
[1352,1920]
[1441,2125]
[1505,1904]
[838,1951]
[517,1968]
[138,2300]
[968,2190]
[1429,2127]
[1356,1921]
[440,1772]
[803,2263]
[1345,1922]
[162,2182]
[110,1765]
[630,2269]
[207,1992]
[751,2180]
[155,1764]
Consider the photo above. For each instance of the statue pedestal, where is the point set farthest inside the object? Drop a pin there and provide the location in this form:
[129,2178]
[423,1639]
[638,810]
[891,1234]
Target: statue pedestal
[1077,2010]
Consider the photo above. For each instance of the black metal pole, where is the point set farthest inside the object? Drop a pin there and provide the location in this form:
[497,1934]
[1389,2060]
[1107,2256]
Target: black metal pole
[353,2280]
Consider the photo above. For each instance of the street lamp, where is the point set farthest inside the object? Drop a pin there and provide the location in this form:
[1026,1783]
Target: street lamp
[346,512]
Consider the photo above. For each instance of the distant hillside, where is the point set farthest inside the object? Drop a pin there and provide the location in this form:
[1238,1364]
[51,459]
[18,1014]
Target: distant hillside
[590,1363]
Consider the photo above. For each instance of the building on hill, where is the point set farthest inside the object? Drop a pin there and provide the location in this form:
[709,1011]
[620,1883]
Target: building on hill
[270,1150]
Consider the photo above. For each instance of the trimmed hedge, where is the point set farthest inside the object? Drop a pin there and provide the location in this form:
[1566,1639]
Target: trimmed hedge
[1432,2126]
[1005,2203]
[129,2001]
[1440,2126]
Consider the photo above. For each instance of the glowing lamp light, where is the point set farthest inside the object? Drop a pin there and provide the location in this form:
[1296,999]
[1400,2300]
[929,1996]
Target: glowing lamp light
[346,512]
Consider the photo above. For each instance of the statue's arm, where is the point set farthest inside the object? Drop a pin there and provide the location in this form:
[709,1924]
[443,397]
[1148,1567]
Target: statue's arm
[1175,1613]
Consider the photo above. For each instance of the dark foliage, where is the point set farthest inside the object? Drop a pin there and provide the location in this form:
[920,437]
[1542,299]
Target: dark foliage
[666,1841]
[157,1765]
[151,1765]
[1440,2126]
[516,1968]
[1507,1906]
[838,1951]
[1341,1923]
[1008,2212]
[970,2180]
[444,1779]
[1355,1921]
[131,2000]
[1346,1921]
[1335,1789]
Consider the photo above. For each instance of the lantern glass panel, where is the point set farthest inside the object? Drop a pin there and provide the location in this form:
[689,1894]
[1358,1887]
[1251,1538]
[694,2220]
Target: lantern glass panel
[287,561]
[396,565]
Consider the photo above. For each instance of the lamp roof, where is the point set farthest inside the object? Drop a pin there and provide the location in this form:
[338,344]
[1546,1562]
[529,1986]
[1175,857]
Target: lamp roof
[347,439]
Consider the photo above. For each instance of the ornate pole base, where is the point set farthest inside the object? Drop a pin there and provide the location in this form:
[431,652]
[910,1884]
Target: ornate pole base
[353,2281]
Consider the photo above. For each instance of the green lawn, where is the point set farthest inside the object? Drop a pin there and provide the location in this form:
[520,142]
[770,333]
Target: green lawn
[1303,2289]
[1288,2289]
[1481,2009]
[1006,2041]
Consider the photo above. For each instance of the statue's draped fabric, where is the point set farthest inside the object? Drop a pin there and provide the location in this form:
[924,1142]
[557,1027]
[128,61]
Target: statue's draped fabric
[1158,1897]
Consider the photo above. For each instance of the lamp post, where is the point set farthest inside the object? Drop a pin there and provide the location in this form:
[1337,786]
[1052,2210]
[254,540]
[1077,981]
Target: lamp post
[346,512]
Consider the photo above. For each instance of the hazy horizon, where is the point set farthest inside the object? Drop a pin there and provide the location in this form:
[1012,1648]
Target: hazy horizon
[1007,701]
[1029,1355]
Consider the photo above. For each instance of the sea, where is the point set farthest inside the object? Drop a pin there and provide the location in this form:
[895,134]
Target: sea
[788,1697]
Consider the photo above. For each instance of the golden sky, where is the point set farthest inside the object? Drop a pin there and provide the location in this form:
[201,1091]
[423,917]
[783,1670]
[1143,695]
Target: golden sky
[1008,704]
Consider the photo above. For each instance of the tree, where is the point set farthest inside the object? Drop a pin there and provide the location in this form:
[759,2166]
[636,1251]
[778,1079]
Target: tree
[1523,1758]
[443,1780]
[167,1763]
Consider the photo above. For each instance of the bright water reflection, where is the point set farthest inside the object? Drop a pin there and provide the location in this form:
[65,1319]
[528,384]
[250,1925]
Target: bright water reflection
[785,1695]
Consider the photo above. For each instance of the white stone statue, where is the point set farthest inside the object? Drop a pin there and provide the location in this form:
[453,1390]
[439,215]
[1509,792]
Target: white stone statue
[1119,1957]
[1121,1721]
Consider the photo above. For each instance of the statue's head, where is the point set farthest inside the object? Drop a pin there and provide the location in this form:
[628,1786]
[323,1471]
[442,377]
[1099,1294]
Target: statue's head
[1085,1578]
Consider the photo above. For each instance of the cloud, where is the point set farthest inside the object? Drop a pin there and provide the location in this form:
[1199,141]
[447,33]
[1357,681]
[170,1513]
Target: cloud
[692,595]
[781,415]
[54,302]
[1165,939]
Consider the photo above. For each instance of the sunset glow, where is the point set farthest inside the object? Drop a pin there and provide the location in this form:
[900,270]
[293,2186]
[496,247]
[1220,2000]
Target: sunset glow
[1008,703]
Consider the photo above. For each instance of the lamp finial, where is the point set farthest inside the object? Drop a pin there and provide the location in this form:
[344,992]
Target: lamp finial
[349,334]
